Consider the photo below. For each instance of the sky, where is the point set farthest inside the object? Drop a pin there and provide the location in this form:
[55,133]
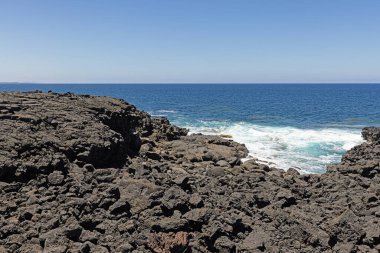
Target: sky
[189,41]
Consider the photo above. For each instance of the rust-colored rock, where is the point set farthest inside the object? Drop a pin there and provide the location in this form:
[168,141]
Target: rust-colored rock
[169,242]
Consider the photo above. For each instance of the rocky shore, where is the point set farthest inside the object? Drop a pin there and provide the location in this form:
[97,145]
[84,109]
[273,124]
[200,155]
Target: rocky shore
[94,174]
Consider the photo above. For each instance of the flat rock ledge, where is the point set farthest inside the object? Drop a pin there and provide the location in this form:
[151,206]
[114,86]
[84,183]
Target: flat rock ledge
[94,174]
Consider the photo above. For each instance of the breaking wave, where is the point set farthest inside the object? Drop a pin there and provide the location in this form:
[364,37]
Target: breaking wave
[309,150]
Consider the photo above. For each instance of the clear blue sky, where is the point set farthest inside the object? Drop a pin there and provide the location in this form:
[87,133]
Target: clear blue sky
[190,40]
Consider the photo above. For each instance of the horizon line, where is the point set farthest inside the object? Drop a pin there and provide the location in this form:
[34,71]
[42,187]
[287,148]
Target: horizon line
[178,83]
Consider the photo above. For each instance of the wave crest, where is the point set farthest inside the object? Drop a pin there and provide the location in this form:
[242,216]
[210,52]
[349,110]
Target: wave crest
[310,150]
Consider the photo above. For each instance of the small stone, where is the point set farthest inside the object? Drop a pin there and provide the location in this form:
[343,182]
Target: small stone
[292,171]
[215,172]
[120,207]
[233,161]
[90,236]
[124,248]
[169,242]
[224,245]
[181,180]
[223,163]
[196,200]
[200,215]
[169,224]
[56,249]
[56,178]
[146,147]
[128,226]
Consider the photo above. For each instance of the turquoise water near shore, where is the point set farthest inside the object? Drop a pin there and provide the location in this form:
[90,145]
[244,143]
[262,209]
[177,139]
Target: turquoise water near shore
[286,125]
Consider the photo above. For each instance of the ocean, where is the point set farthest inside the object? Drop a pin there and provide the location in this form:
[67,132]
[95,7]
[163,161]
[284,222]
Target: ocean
[307,126]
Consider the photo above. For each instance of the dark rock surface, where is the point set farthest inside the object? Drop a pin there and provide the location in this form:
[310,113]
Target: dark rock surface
[371,134]
[94,174]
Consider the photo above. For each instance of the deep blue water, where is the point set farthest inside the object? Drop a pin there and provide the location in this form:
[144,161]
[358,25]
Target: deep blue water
[303,125]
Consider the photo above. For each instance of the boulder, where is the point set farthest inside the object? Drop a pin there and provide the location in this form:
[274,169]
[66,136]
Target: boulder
[215,172]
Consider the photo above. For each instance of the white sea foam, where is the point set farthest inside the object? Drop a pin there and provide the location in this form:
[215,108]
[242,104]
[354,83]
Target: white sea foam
[310,150]
[167,111]
[158,115]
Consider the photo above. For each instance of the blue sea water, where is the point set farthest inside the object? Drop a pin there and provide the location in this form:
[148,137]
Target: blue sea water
[307,126]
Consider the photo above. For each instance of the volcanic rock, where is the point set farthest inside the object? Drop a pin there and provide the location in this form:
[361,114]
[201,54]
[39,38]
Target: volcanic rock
[94,174]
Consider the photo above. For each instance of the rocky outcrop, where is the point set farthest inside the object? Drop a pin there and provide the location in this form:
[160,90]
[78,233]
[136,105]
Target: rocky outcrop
[94,174]
[363,159]
[371,134]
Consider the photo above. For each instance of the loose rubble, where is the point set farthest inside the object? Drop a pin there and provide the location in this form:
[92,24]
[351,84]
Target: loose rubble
[94,174]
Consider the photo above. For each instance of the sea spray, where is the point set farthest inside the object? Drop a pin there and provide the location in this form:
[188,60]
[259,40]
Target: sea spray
[310,150]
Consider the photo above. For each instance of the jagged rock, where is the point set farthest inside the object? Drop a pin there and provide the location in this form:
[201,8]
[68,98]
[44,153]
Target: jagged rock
[139,193]
[31,248]
[56,178]
[94,174]
[120,207]
[215,172]
[89,236]
[293,172]
[224,245]
[255,241]
[196,200]
[169,242]
[169,224]
[124,248]
[223,163]
[371,134]
[200,215]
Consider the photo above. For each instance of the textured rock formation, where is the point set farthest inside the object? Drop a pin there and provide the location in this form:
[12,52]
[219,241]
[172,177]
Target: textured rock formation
[371,134]
[94,174]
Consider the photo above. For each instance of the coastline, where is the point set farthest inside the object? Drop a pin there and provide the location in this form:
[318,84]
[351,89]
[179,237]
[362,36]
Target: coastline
[274,148]
[94,174]
[272,128]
